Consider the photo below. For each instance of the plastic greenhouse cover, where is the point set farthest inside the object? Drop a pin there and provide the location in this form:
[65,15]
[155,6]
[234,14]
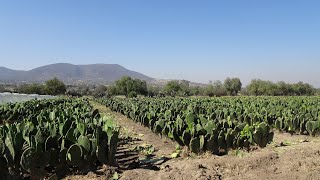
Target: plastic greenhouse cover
[15,97]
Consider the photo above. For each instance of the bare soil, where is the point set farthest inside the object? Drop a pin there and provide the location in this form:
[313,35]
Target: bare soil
[288,157]
[143,135]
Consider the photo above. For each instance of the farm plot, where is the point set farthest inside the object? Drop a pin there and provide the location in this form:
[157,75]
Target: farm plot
[293,152]
[220,124]
[50,137]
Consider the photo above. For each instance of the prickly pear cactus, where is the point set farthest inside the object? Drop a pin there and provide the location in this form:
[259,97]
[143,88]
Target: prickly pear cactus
[95,114]
[102,152]
[63,156]
[311,127]
[190,118]
[278,124]
[81,128]
[85,143]
[195,145]
[229,138]
[221,141]
[51,142]
[112,145]
[186,137]
[211,144]
[27,159]
[74,155]
[262,135]
[2,147]
[10,153]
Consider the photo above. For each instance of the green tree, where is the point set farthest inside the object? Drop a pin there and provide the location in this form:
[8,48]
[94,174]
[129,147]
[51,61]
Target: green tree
[284,89]
[232,86]
[153,90]
[215,88]
[33,88]
[209,90]
[112,90]
[55,87]
[185,87]
[301,88]
[100,91]
[132,94]
[259,87]
[195,91]
[126,84]
[172,88]
[218,89]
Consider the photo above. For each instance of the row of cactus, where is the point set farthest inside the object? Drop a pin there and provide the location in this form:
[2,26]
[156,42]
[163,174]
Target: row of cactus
[18,111]
[296,115]
[189,124]
[71,134]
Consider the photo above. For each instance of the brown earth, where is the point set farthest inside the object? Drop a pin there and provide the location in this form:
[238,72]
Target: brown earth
[288,157]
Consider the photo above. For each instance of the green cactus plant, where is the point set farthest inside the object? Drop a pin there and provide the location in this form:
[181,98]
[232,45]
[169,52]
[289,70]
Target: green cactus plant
[195,145]
[74,155]
[229,138]
[210,127]
[54,157]
[186,137]
[279,124]
[221,140]
[63,156]
[51,143]
[211,144]
[94,146]
[71,135]
[102,152]
[10,152]
[81,127]
[311,127]
[262,134]
[190,120]
[2,147]
[27,159]
[112,134]
[95,114]
[85,143]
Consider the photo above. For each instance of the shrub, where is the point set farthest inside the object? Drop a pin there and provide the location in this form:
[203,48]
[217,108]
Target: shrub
[132,94]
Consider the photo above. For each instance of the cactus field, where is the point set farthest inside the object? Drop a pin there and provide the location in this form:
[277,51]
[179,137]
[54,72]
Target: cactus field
[220,124]
[42,137]
[55,137]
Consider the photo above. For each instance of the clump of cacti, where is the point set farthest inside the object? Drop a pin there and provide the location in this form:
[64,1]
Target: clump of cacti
[262,134]
[312,127]
[68,134]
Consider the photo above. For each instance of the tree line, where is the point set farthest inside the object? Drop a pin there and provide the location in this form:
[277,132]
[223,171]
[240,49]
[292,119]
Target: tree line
[259,87]
[51,87]
[230,87]
[129,87]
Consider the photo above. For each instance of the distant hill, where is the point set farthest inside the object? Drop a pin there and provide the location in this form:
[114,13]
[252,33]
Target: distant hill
[71,74]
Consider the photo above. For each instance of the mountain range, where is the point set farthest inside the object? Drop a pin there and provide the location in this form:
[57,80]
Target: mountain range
[71,74]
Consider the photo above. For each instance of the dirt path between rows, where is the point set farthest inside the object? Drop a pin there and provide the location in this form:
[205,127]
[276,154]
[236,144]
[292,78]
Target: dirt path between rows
[142,135]
[288,157]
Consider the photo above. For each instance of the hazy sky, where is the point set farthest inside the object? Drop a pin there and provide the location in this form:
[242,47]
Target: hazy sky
[197,40]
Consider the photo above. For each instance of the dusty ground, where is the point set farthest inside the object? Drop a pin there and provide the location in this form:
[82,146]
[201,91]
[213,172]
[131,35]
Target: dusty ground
[297,160]
[163,146]
[288,157]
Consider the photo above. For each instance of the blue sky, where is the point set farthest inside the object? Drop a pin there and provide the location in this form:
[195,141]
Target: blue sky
[175,39]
